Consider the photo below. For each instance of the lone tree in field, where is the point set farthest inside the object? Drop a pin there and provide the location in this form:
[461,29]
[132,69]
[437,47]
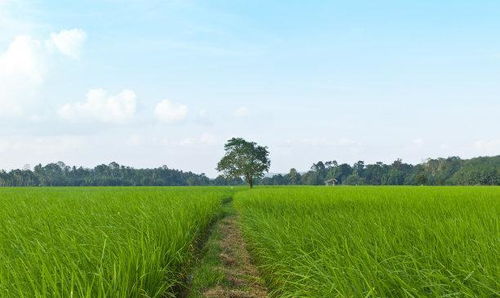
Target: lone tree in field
[244,159]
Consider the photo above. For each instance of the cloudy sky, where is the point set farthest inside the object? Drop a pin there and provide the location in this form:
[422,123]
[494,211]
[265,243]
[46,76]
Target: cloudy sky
[149,82]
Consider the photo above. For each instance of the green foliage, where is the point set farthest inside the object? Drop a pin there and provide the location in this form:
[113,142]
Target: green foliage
[244,159]
[293,177]
[374,241]
[59,174]
[354,180]
[441,171]
[481,170]
[100,242]
[307,241]
[208,270]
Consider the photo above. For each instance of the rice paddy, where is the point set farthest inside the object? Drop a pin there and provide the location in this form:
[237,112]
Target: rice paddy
[375,241]
[100,242]
[305,241]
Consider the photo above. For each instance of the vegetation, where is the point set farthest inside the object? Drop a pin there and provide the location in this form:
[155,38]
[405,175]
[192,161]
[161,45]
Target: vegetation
[367,241]
[306,241]
[441,171]
[244,159]
[224,267]
[59,174]
[100,242]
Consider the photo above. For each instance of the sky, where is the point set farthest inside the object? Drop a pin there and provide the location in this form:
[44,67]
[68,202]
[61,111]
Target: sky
[148,83]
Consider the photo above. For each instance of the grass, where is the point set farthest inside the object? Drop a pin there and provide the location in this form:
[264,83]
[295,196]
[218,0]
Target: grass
[207,271]
[374,241]
[224,268]
[307,241]
[100,242]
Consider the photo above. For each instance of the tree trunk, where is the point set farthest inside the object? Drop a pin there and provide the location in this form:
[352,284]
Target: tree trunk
[250,181]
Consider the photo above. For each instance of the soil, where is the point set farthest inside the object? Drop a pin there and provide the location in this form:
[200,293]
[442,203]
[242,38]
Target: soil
[241,276]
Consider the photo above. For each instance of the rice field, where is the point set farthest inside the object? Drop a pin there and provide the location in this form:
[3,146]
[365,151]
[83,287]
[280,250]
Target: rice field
[100,242]
[374,241]
[305,241]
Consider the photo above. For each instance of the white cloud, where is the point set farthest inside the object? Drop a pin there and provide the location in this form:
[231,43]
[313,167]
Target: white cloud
[22,70]
[24,66]
[169,112]
[16,151]
[10,23]
[52,144]
[101,106]
[22,59]
[68,42]
[488,146]
[241,112]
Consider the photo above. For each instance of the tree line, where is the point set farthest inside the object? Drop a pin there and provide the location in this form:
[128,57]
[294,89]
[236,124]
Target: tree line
[441,171]
[113,174]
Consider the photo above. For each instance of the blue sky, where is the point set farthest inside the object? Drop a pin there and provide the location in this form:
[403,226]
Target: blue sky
[147,83]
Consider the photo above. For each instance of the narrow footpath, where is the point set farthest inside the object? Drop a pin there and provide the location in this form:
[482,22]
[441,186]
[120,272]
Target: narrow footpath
[225,268]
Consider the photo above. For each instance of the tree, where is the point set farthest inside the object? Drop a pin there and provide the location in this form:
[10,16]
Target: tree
[359,168]
[293,177]
[320,170]
[440,171]
[244,159]
[343,171]
[374,173]
[354,179]
[311,178]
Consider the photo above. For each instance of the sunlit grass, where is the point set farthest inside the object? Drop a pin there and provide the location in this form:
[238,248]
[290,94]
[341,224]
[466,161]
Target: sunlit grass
[375,241]
[308,241]
[100,242]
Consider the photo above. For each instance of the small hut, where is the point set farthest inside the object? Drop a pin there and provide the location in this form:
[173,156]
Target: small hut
[331,182]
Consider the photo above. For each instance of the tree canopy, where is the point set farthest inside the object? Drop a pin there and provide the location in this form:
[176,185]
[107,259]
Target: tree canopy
[59,174]
[244,159]
[440,171]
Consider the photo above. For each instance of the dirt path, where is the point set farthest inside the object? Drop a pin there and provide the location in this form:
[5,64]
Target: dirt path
[226,269]
[241,276]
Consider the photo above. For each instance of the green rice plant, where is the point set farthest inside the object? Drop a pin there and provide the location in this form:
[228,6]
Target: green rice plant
[100,242]
[375,241]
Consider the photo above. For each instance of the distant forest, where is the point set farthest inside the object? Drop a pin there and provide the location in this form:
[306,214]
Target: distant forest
[441,171]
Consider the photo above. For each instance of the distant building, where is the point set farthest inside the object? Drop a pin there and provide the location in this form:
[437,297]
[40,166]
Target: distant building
[331,182]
